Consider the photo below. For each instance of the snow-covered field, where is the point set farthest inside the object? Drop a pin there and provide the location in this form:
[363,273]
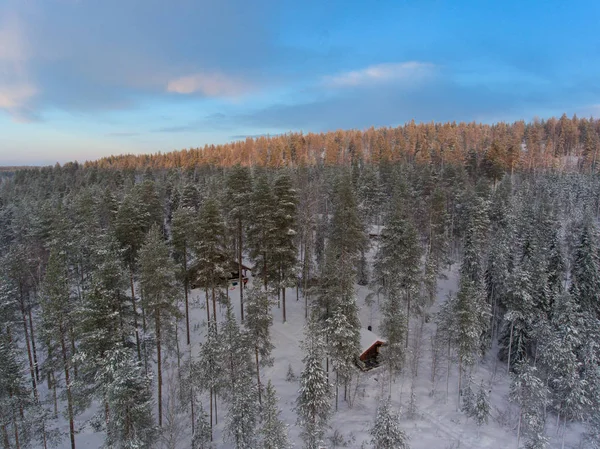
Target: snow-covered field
[436,423]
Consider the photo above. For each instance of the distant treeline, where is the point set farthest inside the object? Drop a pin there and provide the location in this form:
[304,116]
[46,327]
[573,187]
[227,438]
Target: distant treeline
[552,144]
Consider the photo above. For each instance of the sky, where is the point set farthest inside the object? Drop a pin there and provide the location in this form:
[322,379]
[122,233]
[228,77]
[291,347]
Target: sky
[82,79]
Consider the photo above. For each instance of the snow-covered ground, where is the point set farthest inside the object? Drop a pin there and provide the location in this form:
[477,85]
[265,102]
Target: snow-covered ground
[436,422]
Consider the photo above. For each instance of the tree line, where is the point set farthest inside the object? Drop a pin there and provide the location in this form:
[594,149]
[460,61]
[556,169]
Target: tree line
[97,267]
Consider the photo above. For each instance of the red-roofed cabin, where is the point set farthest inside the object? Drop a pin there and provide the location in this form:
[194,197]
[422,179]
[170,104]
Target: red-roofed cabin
[369,356]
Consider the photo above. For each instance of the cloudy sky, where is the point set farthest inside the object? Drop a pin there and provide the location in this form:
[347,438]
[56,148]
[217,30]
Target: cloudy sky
[80,79]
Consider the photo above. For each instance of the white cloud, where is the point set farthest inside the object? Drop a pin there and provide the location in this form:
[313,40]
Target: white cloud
[410,73]
[210,85]
[16,89]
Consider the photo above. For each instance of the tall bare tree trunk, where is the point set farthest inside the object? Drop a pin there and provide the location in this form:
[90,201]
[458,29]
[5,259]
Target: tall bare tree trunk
[16,429]
[186,287]
[159,365]
[509,347]
[240,277]
[26,333]
[207,305]
[283,303]
[67,385]
[258,375]
[5,440]
[135,321]
[407,317]
[211,413]
[32,336]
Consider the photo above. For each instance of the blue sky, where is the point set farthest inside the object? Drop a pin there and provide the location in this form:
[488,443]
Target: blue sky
[81,79]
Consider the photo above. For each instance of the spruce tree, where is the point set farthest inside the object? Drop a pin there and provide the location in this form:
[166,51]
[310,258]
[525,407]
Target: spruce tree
[386,432]
[241,394]
[398,261]
[531,394]
[313,404]
[202,438]
[585,271]
[273,431]
[258,324]
[208,368]
[126,390]
[481,413]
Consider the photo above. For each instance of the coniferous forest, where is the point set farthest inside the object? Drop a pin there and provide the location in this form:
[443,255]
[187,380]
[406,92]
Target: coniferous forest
[220,297]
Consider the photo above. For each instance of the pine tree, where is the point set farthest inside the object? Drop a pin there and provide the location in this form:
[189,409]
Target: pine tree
[531,394]
[468,400]
[240,393]
[126,388]
[343,345]
[14,396]
[397,262]
[211,263]
[481,412]
[104,319]
[208,367]
[273,431]
[393,329]
[57,319]
[585,271]
[559,353]
[239,191]
[240,426]
[202,438]
[159,287]
[285,250]
[183,229]
[261,230]
[258,324]
[313,404]
[130,230]
[386,432]
[471,317]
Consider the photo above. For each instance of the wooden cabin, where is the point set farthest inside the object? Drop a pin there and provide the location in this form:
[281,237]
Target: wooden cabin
[232,275]
[369,356]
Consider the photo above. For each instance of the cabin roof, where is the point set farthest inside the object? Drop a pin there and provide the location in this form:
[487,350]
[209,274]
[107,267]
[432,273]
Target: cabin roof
[368,339]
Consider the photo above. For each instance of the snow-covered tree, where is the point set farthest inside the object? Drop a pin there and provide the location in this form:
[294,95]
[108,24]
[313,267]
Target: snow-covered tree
[343,345]
[238,194]
[313,404]
[284,234]
[160,292]
[202,438]
[531,394]
[208,368]
[481,412]
[261,230]
[397,263]
[273,431]
[240,425]
[585,271]
[211,263]
[386,432]
[258,324]
[57,323]
[126,389]
[183,230]
[471,317]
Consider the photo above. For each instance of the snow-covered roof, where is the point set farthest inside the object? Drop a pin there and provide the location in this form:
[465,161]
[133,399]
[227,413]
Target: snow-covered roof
[367,339]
